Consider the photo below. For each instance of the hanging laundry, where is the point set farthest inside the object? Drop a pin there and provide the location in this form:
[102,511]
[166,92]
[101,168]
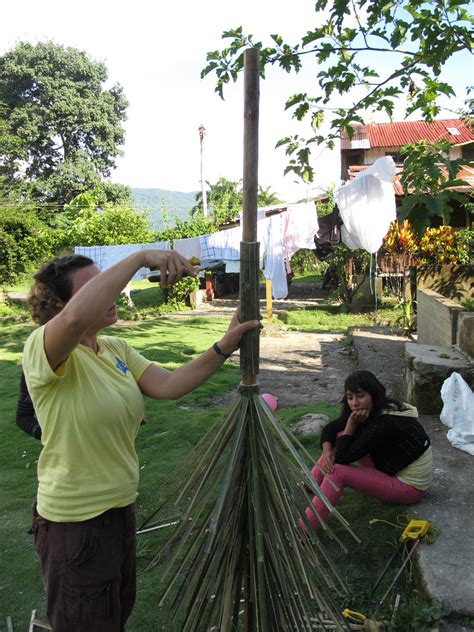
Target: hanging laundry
[301,226]
[274,267]
[226,243]
[206,247]
[367,206]
[107,256]
[328,236]
[189,247]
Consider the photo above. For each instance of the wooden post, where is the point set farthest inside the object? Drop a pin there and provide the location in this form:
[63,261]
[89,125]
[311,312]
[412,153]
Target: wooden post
[202,132]
[249,252]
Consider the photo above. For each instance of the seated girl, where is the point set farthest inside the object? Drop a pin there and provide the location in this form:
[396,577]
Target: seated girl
[376,446]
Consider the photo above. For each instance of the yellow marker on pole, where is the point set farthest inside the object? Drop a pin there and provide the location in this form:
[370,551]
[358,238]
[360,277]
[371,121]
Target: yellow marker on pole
[268,287]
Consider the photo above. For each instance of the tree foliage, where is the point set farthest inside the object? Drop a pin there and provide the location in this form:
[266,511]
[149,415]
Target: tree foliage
[226,199]
[428,178]
[374,51]
[61,129]
[29,237]
[24,241]
[83,223]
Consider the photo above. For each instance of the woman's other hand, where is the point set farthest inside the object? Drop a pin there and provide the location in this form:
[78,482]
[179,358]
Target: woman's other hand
[233,336]
[327,462]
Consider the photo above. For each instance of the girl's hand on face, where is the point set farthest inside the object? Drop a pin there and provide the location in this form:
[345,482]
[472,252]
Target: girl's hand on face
[358,416]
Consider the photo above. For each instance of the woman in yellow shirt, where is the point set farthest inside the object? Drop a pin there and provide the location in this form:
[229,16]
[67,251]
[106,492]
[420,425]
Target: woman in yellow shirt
[87,392]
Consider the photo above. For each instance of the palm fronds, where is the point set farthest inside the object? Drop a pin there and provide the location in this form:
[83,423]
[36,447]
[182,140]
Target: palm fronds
[247,554]
[250,560]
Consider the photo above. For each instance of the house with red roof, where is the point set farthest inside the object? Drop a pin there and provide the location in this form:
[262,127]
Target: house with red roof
[375,140]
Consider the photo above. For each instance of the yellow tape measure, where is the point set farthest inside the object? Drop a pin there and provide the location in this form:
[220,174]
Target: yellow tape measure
[415,529]
[352,614]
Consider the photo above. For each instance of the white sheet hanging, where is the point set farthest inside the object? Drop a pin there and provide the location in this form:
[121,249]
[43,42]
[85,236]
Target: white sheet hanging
[458,412]
[107,256]
[301,227]
[275,269]
[224,244]
[281,236]
[188,247]
[367,206]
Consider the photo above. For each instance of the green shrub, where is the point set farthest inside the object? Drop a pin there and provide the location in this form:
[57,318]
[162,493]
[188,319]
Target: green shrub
[179,292]
[24,242]
[304,263]
[103,227]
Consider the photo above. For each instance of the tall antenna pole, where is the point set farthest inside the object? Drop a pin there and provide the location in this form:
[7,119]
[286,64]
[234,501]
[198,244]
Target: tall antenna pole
[202,133]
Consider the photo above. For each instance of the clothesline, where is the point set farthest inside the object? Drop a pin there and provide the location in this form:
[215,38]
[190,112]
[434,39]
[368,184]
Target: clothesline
[280,236]
[366,206]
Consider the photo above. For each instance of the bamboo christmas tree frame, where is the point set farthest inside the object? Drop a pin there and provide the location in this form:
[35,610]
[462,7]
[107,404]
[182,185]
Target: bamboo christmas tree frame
[243,561]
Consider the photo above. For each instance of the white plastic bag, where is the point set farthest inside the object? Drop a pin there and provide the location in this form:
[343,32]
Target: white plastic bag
[458,412]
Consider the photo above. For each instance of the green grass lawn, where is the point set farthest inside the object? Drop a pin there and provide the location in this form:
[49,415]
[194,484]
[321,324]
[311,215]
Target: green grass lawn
[164,445]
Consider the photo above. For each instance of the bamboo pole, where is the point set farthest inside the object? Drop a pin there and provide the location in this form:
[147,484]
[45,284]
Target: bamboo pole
[269,300]
[249,270]
[249,250]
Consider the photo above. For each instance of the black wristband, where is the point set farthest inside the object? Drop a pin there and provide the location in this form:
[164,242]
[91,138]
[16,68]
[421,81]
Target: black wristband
[219,351]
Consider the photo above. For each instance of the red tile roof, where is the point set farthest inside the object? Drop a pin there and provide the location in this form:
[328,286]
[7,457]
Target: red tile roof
[465,173]
[399,134]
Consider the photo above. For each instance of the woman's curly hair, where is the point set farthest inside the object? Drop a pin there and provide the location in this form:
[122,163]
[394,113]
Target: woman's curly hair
[52,286]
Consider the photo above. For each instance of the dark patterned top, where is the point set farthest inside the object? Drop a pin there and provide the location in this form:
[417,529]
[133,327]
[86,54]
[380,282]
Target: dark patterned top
[392,439]
[25,412]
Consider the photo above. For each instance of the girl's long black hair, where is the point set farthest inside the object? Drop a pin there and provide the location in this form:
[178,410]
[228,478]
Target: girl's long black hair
[366,381]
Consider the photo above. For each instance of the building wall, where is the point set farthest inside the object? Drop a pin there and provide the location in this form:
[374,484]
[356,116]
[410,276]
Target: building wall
[373,154]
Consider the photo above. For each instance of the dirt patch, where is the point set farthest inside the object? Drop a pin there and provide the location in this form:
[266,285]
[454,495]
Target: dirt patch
[300,368]
[310,367]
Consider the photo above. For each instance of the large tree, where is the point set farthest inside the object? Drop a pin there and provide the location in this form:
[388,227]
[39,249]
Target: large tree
[371,52]
[61,128]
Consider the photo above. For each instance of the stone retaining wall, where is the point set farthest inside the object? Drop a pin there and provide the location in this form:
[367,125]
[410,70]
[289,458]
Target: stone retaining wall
[427,367]
[465,335]
[437,318]
[445,344]
[452,281]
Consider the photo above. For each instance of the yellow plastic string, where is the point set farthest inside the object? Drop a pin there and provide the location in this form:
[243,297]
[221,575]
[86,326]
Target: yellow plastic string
[404,519]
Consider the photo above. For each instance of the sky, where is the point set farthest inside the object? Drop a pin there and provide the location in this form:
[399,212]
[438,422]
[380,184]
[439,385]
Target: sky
[156,51]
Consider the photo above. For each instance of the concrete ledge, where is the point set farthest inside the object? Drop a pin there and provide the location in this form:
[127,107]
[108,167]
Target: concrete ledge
[453,281]
[465,337]
[446,565]
[427,367]
[437,318]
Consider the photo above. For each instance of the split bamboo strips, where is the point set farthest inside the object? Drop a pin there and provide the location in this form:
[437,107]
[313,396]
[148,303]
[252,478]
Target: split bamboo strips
[243,560]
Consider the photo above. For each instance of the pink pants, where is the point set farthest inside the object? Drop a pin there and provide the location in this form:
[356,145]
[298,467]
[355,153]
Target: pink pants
[365,479]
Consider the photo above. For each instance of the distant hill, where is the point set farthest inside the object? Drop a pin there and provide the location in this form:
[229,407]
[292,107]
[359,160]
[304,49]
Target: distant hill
[176,204]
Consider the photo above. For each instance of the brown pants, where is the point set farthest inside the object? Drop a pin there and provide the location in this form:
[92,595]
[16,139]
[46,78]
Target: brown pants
[89,570]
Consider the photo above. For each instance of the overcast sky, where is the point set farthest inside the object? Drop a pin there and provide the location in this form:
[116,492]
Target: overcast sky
[156,51]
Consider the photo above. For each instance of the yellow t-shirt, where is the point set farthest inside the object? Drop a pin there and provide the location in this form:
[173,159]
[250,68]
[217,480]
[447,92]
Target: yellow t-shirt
[89,411]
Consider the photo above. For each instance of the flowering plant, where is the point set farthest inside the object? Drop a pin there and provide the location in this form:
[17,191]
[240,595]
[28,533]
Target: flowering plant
[400,239]
[440,246]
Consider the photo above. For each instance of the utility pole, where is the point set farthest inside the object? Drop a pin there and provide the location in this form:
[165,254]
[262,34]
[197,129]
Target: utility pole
[202,132]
